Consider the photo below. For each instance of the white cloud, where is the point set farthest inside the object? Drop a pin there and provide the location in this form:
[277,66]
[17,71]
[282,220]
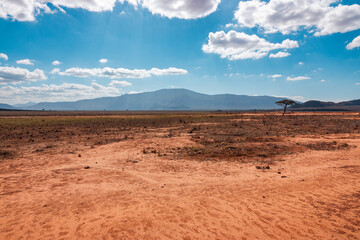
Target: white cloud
[185,9]
[56,62]
[168,71]
[275,76]
[238,45]
[52,93]
[122,13]
[116,83]
[4,56]
[116,73]
[26,10]
[357,84]
[103,60]
[230,25]
[354,43]
[323,81]
[295,98]
[18,75]
[279,55]
[25,62]
[301,63]
[135,92]
[297,78]
[55,71]
[322,17]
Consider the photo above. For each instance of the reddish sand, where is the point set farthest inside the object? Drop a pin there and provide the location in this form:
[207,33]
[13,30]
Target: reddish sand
[127,194]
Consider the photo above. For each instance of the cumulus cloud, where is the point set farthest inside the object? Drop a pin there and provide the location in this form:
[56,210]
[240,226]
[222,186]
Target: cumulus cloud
[4,56]
[301,63]
[297,78]
[323,17]
[26,10]
[116,73]
[279,55]
[230,25]
[19,75]
[103,60]
[354,43]
[25,62]
[238,45]
[116,83]
[55,71]
[53,93]
[56,62]
[185,9]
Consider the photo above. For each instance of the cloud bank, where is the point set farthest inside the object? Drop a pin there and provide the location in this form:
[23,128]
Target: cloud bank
[54,93]
[118,73]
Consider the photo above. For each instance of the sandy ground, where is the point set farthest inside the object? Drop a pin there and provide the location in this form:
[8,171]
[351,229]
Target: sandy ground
[128,194]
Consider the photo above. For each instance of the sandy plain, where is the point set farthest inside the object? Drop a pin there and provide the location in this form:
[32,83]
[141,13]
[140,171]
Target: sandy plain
[220,175]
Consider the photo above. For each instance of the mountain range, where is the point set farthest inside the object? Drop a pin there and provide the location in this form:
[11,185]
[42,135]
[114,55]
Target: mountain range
[6,106]
[313,105]
[182,99]
[165,99]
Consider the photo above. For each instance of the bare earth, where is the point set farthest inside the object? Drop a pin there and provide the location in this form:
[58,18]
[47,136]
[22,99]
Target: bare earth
[146,187]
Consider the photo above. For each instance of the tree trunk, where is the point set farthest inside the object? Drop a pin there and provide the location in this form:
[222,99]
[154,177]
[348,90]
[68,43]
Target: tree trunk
[284,110]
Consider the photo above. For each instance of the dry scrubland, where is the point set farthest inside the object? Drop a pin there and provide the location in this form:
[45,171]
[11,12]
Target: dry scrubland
[179,175]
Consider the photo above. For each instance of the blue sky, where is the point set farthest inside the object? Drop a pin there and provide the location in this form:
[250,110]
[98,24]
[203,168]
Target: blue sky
[302,49]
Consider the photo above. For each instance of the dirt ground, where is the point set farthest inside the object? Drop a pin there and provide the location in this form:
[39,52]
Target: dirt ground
[195,175]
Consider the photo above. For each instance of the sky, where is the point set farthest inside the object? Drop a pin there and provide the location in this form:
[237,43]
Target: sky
[58,50]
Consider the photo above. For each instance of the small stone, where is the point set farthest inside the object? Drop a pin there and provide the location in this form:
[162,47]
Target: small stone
[87,167]
[283,176]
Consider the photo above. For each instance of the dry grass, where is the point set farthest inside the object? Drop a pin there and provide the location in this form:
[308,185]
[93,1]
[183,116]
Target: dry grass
[219,136]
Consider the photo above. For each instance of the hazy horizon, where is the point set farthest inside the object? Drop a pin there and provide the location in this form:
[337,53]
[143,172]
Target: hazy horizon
[33,103]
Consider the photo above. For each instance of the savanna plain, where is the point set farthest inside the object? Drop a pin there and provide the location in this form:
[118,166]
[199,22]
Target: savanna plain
[179,175]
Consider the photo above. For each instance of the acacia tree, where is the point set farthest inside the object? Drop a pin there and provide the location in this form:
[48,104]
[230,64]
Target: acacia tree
[285,103]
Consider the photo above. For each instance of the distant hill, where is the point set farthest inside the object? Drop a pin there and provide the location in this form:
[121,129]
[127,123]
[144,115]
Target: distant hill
[313,105]
[24,105]
[166,99]
[4,106]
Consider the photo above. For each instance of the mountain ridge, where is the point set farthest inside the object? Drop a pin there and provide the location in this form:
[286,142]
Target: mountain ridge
[315,105]
[165,99]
